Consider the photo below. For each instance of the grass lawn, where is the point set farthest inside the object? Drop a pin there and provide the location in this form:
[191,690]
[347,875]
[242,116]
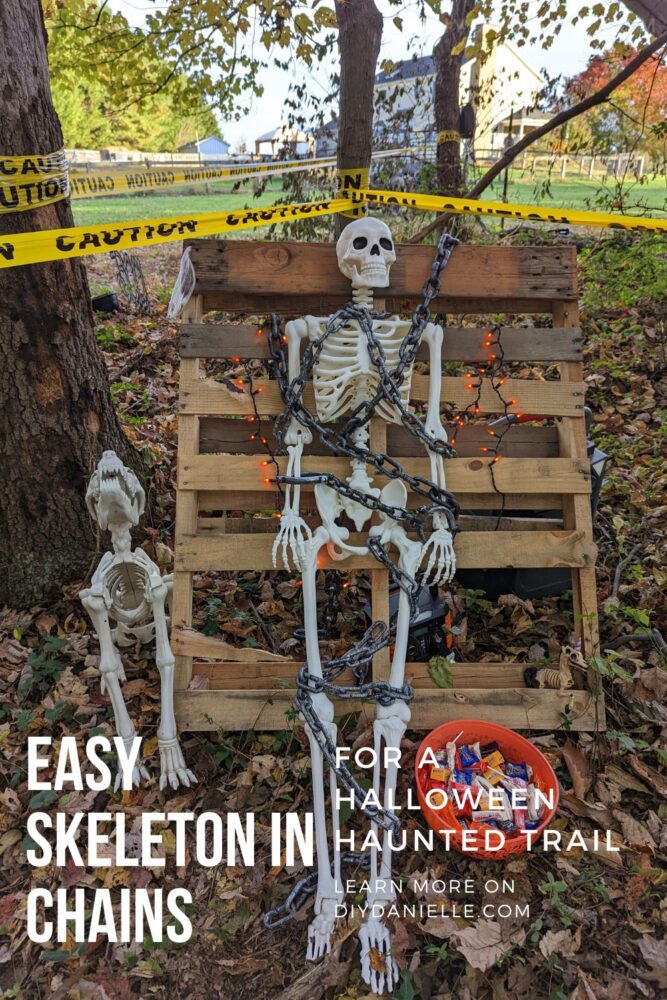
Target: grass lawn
[154,205]
[583,194]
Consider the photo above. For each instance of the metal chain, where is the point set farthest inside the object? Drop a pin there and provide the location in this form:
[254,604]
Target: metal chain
[332,606]
[131,280]
[377,637]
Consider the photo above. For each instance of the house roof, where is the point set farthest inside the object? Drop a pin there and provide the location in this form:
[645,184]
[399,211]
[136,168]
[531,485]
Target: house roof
[268,136]
[408,69]
[200,142]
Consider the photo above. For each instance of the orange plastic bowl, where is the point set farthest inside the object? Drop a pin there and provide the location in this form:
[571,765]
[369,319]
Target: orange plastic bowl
[513,748]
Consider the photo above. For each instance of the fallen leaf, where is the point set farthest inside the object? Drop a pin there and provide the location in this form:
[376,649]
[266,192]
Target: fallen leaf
[562,942]
[579,768]
[654,954]
[635,833]
[483,943]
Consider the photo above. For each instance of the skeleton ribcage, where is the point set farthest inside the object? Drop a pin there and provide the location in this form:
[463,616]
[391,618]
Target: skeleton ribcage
[345,375]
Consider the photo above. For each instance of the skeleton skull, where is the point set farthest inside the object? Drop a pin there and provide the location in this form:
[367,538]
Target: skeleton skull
[365,251]
[114,493]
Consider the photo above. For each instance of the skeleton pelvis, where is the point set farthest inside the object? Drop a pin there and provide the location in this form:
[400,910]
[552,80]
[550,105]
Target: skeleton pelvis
[359,480]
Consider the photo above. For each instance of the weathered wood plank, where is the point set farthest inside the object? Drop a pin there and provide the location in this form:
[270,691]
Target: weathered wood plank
[232,676]
[464,475]
[235,435]
[518,708]
[260,525]
[474,550]
[192,643]
[481,272]
[529,343]
[206,397]
[261,500]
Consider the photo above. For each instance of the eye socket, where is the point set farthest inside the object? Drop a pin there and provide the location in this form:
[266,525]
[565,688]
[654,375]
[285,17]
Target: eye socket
[386,244]
[359,242]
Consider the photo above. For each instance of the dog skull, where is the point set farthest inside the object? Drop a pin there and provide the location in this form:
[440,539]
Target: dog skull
[365,251]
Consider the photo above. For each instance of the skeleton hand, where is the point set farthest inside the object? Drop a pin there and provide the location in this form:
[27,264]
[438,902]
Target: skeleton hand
[441,564]
[294,535]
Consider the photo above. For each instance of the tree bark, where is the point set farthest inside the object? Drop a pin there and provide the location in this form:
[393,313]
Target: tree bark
[359,37]
[447,83]
[55,406]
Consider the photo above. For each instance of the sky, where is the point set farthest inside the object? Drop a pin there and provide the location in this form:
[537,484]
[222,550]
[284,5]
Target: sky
[568,55]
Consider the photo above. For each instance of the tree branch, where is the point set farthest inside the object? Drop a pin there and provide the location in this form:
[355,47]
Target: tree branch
[599,97]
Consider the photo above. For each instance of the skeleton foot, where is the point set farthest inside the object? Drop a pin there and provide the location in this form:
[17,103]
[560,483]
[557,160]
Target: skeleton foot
[138,771]
[320,931]
[173,769]
[378,968]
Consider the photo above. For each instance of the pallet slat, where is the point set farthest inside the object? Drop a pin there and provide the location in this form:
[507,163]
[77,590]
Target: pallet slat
[235,436]
[474,550]
[206,397]
[311,269]
[242,341]
[232,676]
[518,708]
[464,475]
[263,501]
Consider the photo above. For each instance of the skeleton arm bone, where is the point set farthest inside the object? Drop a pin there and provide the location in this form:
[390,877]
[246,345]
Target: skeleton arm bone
[293,533]
[439,550]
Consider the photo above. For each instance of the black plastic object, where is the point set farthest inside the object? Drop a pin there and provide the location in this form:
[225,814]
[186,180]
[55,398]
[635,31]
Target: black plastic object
[107,303]
[427,636]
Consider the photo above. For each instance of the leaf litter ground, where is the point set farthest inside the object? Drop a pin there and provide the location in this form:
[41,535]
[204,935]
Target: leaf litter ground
[596,924]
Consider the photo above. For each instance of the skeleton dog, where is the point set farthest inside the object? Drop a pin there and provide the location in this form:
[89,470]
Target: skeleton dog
[128,589]
[361,364]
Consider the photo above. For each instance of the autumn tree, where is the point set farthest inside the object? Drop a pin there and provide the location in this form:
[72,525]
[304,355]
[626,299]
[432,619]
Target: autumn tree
[628,120]
[57,414]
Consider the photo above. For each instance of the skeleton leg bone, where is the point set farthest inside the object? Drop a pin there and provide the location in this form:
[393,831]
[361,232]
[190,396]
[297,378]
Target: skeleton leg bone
[390,725]
[111,669]
[329,893]
[173,769]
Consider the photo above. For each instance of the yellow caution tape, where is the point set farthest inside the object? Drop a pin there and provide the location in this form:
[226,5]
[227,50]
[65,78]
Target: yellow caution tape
[349,181]
[503,210]
[104,183]
[82,241]
[35,166]
[28,182]
[31,181]
[448,135]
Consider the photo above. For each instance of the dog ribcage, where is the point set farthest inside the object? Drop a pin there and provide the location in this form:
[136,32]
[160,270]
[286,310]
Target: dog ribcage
[345,374]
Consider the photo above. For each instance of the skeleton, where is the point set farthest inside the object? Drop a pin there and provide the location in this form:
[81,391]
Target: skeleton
[345,377]
[559,678]
[127,588]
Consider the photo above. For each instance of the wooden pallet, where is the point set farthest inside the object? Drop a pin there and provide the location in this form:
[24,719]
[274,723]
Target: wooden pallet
[543,468]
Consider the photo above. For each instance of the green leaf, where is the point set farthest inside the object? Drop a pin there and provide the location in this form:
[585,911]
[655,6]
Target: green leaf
[42,799]
[440,672]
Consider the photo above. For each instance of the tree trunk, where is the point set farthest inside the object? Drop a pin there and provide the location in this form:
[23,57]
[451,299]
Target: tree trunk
[359,37]
[56,410]
[447,81]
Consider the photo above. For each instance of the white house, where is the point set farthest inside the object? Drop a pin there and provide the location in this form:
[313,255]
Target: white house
[498,81]
[284,142]
[210,148]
